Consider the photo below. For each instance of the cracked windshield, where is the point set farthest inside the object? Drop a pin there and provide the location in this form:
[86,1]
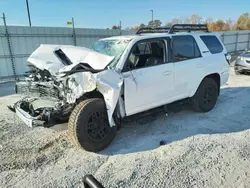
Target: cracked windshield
[128,94]
[111,47]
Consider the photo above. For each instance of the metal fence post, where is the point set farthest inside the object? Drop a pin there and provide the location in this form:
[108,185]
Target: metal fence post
[248,46]
[9,46]
[222,37]
[236,44]
[74,32]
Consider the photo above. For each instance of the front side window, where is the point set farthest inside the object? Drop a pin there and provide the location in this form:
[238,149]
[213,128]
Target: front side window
[212,43]
[146,54]
[184,48]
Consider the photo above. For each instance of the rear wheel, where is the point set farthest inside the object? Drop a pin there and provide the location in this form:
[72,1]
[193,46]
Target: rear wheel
[206,95]
[89,127]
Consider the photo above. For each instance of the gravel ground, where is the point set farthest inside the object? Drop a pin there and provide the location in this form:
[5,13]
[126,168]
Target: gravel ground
[202,150]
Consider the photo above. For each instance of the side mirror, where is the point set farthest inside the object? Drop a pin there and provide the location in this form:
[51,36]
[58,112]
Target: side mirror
[89,181]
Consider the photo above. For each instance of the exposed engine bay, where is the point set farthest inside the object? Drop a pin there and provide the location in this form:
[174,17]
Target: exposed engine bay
[53,89]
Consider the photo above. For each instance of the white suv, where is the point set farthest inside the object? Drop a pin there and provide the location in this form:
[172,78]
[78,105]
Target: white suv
[122,76]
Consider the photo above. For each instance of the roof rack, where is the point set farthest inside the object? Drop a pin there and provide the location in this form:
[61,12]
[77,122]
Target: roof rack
[153,30]
[175,28]
[188,28]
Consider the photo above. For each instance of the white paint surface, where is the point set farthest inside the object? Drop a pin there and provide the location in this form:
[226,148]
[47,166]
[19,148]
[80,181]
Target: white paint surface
[44,58]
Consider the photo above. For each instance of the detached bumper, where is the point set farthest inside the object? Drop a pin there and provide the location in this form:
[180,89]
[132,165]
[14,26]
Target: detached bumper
[26,118]
[42,111]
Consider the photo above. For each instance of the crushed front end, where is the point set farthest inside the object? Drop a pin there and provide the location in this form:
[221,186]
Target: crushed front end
[52,90]
[43,103]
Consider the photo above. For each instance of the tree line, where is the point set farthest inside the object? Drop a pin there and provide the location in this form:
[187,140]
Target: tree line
[242,23]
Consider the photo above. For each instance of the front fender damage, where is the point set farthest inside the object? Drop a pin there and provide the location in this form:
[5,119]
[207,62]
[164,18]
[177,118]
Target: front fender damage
[108,83]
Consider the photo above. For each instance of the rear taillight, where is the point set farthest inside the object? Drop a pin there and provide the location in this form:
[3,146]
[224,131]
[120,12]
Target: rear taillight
[228,58]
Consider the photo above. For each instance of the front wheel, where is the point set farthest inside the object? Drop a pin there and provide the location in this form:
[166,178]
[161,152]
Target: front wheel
[206,96]
[88,125]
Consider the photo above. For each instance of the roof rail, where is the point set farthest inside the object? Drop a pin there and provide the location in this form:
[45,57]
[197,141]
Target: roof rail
[175,28]
[153,30]
[188,28]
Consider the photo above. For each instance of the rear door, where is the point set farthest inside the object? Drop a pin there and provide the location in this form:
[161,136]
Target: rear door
[188,65]
[216,56]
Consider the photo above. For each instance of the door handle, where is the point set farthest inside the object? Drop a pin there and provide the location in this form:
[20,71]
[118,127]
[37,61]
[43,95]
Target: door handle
[166,73]
[205,51]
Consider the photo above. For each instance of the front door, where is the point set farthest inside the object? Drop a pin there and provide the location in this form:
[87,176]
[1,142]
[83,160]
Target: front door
[149,81]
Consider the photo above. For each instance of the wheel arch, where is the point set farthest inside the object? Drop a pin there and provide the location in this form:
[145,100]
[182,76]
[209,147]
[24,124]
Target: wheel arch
[217,79]
[89,95]
[97,94]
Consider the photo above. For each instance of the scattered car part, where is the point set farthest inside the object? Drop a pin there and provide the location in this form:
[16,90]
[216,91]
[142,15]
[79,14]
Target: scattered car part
[89,181]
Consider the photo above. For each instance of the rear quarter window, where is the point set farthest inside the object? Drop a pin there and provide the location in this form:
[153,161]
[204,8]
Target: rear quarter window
[212,43]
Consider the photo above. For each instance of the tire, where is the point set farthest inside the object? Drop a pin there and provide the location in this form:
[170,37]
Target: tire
[206,96]
[88,125]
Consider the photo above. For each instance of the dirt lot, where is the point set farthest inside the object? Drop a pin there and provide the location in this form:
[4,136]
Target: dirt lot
[202,150]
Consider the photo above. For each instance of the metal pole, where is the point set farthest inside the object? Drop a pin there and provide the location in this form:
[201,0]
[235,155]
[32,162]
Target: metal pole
[9,46]
[248,46]
[74,32]
[152,15]
[28,10]
[237,38]
[222,37]
[120,27]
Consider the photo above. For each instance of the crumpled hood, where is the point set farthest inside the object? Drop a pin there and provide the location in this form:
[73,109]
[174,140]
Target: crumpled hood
[44,57]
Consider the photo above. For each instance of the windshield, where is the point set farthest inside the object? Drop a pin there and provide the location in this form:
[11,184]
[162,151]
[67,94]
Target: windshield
[111,48]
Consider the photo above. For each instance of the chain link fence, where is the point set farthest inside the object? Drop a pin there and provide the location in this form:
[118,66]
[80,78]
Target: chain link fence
[18,42]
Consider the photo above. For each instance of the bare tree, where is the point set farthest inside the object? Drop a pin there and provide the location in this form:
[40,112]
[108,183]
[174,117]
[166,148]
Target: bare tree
[195,19]
[154,23]
[243,22]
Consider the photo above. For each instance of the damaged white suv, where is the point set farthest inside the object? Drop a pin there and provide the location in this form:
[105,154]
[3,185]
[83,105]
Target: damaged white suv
[121,76]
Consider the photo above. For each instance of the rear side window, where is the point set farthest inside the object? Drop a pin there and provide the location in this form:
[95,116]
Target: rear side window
[185,47]
[212,43]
